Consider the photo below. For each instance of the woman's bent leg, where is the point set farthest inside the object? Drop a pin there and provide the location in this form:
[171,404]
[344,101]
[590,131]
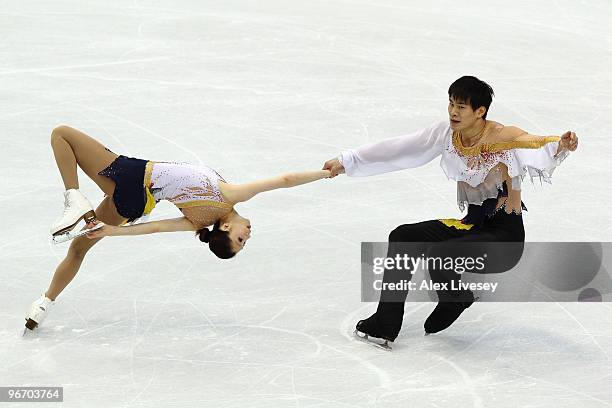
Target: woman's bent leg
[72,147]
[68,268]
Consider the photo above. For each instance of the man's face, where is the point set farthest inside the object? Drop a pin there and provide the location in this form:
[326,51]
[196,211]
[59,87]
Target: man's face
[461,114]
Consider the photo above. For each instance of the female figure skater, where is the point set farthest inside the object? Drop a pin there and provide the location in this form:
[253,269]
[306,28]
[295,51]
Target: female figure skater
[488,161]
[132,187]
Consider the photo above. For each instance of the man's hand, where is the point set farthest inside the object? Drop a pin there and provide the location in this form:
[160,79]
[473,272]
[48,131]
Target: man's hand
[569,141]
[334,166]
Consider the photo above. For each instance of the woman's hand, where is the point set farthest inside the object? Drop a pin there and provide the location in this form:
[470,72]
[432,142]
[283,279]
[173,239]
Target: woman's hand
[104,231]
[326,173]
[569,141]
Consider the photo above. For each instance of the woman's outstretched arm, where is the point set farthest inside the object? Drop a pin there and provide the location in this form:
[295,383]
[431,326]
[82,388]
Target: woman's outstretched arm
[237,193]
[170,225]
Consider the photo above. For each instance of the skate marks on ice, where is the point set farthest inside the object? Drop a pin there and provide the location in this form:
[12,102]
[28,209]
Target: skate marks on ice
[397,387]
[235,335]
[183,337]
[191,342]
[70,67]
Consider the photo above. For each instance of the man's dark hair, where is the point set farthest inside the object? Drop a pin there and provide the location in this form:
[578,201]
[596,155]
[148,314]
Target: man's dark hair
[471,90]
[218,241]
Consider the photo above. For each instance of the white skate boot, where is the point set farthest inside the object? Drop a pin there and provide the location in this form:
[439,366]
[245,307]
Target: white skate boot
[38,311]
[76,208]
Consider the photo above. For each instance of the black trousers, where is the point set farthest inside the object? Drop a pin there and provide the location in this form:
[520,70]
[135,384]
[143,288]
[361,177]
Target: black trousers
[500,227]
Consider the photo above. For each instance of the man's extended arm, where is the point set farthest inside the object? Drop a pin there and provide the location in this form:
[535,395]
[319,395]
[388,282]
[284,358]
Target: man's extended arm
[403,152]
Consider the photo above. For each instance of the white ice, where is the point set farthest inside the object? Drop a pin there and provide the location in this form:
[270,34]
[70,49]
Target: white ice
[254,89]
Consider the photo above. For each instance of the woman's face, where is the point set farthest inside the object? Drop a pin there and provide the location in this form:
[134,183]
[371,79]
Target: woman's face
[239,232]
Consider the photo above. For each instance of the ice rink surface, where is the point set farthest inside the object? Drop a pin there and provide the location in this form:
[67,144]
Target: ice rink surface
[254,89]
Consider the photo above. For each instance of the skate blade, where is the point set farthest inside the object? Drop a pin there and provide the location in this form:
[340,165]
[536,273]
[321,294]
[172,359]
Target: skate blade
[30,325]
[88,217]
[373,341]
[68,236]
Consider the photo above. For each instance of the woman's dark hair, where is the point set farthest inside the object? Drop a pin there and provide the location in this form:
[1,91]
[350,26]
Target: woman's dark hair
[472,90]
[218,241]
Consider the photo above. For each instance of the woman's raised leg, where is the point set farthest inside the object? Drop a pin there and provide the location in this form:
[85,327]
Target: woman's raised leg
[72,147]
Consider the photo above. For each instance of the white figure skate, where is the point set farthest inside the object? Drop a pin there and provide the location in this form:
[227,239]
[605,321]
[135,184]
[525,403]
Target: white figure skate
[37,312]
[76,208]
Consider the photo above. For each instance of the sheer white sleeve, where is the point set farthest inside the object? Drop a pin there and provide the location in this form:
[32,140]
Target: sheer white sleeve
[538,163]
[398,153]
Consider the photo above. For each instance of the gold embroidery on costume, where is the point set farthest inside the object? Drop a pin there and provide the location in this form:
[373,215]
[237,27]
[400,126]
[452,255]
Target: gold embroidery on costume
[530,143]
[204,203]
[203,193]
[150,201]
[455,223]
[147,175]
[150,204]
